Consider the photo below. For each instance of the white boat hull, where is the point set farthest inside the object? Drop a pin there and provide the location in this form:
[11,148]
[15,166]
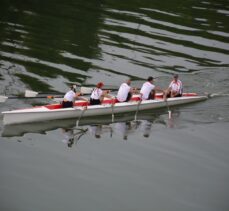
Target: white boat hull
[42,113]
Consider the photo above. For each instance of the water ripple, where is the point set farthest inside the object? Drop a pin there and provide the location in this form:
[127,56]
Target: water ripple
[115,40]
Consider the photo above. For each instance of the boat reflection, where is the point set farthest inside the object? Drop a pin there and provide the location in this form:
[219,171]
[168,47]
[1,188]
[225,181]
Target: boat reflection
[119,129]
[73,130]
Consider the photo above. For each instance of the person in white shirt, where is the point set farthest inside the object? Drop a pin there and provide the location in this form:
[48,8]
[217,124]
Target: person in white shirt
[70,97]
[98,94]
[148,89]
[125,92]
[175,88]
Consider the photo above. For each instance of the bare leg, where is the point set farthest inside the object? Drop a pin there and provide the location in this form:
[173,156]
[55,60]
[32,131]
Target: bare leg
[152,95]
[167,93]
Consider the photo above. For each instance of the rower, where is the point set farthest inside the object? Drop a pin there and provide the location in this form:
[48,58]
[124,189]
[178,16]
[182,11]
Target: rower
[125,91]
[71,96]
[98,94]
[175,88]
[148,89]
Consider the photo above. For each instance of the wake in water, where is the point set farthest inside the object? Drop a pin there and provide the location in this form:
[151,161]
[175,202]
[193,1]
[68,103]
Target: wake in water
[220,94]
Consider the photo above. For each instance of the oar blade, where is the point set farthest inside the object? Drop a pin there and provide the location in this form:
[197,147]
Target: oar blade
[170,114]
[3,98]
[30,93]
[86,90]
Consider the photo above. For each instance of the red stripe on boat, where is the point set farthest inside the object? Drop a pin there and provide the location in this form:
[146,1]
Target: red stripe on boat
[110,101]
[54,106]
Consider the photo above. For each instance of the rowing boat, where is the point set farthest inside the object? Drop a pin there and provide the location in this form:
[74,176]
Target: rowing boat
[55,111]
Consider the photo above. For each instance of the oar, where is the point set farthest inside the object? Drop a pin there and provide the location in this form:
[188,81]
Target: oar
[135,117]
[83,110]
[88,90]
[169,111]
[34,94]
[112,107]
[83,89]
[29,94]
[4,98]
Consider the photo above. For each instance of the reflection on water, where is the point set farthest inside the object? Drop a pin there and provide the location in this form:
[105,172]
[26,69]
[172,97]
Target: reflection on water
[119,129]
[70,133]
[72,136]
[96,127]
[96,130]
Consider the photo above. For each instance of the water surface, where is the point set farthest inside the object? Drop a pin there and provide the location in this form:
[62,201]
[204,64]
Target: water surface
[152,164]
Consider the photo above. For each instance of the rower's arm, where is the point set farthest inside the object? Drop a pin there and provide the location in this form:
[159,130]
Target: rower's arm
[78,97]
[135,90]
[158,89]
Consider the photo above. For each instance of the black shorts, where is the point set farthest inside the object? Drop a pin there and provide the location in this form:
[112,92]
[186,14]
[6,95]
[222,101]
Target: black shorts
[67,104]
[178,95]
[94,101]
[151,95]
[128,97]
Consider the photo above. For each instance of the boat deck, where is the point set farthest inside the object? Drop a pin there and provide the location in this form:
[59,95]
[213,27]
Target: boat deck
[111,101]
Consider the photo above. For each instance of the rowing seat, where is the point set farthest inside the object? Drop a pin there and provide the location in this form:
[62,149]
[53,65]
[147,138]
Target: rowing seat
[53,106]
[81,103]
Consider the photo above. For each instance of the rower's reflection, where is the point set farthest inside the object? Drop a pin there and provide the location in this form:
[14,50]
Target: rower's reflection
[125,128]
[122,128]
[173,122]
[95,130]
[72,135]
[145,128]
[68,137]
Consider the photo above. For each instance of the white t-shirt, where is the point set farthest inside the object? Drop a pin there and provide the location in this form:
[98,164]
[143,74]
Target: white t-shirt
[176,86]
[96,93]
[147,87]
[70,96]
[123,91]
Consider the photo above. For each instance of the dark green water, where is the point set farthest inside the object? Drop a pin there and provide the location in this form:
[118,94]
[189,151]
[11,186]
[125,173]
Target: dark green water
[47,44]
[154,164]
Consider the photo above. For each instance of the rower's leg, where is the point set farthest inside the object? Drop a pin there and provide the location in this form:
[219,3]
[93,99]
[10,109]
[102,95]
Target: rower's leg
[152,96]
[128,97]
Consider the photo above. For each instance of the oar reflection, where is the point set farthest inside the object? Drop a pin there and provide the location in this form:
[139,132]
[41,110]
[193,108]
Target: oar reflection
[72,136]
